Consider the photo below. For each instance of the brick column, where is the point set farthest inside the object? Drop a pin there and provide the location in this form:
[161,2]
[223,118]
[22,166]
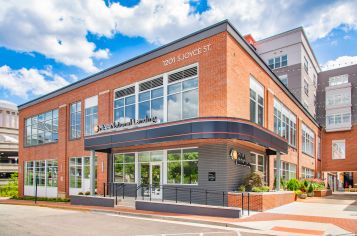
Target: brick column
[63,117]
[104,116]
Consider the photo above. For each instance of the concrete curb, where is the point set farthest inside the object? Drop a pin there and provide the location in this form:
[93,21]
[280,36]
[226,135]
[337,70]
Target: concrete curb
[172,218]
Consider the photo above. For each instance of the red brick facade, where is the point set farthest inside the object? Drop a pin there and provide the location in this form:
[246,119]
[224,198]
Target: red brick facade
[224,73]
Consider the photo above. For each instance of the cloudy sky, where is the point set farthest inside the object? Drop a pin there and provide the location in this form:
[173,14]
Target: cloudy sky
[45,45]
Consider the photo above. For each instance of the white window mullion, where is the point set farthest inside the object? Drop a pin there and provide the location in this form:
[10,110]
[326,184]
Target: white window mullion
[165,84]
[136,102]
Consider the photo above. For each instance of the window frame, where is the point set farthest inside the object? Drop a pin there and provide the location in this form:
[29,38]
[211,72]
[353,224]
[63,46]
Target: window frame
[78,135]
[274,60]
[255,84]
[90,115]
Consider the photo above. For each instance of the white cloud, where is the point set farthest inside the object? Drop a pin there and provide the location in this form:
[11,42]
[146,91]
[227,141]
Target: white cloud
[29,82]
[339,62]
[58,28]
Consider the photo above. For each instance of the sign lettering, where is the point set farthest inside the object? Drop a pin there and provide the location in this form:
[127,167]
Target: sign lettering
[186,55]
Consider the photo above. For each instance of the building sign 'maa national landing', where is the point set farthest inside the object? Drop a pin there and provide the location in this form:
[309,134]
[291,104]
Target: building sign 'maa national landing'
[132,123]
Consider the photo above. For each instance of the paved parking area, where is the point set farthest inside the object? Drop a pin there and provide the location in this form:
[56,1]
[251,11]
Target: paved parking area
[29,220]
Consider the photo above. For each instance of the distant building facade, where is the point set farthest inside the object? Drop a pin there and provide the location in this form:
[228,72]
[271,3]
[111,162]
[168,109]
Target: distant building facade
[8,140]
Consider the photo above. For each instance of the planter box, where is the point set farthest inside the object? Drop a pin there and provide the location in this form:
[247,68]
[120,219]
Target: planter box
[261,201]
[322,193]
[91,201]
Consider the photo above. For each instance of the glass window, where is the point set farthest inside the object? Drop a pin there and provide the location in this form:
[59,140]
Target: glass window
[284,122]
[338,149]
[338,119]
[306,87]
[124,104]
[182,100]
[151,103]
[124,168]
[75,120]
[308,138]
[40,172]
[42,128]
[306,65]
[52,173]
[337,80]
[258,164]
[256,102]
[307,173]
[91,115]
[278,62]
[287,170]
[75,172]
[29,174]
[182,166]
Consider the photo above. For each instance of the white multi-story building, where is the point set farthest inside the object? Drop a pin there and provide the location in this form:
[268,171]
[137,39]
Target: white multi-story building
[290,56]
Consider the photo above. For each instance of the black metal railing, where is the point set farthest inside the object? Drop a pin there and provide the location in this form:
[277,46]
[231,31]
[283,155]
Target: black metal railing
[177,194]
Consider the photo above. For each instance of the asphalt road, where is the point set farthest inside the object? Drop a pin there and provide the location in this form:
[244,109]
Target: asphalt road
[28,220]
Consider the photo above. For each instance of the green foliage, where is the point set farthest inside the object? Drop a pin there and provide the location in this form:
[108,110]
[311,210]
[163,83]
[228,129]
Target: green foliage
[242,188]
[283,184]
[298,192]
[80,193]
[254,179]
[11,188]
[261,189]
[42,199]
[310,189]
[293,185]
[87,193]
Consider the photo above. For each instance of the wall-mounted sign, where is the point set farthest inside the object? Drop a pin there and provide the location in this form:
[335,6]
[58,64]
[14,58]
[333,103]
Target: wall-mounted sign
[211,176]
[183,56]
[126,125]
[239,158]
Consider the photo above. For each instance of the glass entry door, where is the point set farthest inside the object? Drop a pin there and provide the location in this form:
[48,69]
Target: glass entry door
[155,180]
[150,179]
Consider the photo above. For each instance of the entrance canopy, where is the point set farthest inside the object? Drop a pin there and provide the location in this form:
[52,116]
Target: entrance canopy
[191,129]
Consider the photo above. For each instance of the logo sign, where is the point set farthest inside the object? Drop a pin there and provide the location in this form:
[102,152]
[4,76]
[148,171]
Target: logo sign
[133,123]
[211,176]
[239,158]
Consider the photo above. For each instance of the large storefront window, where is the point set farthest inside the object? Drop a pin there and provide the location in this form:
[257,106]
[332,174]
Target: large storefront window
[182,166]
[45,173]
[284,122]
[256,102]
[308,138]
[75,125]
[79,174]
[91,115]
[287,170]
[124,168]
[42,128]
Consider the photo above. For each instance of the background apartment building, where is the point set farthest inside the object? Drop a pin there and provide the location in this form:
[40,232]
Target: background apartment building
[290,56]
[337,104]
[8,140]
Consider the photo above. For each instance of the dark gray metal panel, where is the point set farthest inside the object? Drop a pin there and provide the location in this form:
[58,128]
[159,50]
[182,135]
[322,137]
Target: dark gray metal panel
[188,209]
[91,201]
[165,49]
[197,129]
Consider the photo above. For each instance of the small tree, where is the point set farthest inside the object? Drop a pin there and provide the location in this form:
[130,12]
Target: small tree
[254,179]
[11,188]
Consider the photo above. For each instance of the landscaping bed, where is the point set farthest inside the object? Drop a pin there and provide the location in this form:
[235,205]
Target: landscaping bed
[322,193]
[260,201]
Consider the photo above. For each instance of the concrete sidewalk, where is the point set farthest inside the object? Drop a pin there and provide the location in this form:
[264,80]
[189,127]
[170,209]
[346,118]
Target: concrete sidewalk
[288,218]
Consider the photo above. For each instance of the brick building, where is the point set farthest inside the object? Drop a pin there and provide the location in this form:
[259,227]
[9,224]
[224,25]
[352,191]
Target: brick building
[202,111]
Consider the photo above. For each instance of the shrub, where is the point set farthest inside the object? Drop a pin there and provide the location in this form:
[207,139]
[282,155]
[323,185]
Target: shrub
[293,185]
[261,189]
[310,189]
[254,179]
[80,193]
[298,192]
[87,193]
[42,199]
[11,188]
[242,188]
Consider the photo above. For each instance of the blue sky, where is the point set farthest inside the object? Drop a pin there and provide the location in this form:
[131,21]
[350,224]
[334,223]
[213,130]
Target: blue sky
[46,46]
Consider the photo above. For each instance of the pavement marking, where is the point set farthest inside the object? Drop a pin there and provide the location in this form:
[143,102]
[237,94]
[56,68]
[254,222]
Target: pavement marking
[298,231]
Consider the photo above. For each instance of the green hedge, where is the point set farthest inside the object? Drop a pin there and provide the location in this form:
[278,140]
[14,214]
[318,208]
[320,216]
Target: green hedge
[42,199]
[11,188]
